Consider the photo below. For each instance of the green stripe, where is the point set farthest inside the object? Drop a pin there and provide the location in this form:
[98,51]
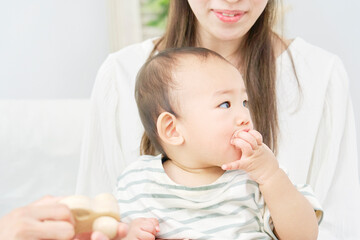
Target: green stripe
[181,187]
[222,228]
[265,237]
[170,186]
[217,205]
[137,197]
[212,231]
[249,196]
[171,196]
[306,194]
[151,158]
[179,230]
[161,170]
[149,209]
[212,215]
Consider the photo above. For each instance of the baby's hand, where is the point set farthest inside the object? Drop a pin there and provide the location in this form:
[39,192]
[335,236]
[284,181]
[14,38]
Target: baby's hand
[257,159]
[143,228]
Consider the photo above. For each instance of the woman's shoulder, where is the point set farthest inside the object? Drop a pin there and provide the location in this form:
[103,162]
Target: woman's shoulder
[312,62]
[131,57]
[309,54]
[122,66]
[134,51]
[316,68]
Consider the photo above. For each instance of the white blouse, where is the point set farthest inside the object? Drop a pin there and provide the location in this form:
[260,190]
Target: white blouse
[317,140]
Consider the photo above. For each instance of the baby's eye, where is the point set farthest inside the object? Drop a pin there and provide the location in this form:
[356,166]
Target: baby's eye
[225,105]
[245,103]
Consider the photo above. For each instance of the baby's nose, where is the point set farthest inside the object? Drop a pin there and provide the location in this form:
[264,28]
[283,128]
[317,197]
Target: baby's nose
[242,119]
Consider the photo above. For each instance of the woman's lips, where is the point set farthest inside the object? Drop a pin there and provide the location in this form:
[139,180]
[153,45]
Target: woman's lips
[228,16]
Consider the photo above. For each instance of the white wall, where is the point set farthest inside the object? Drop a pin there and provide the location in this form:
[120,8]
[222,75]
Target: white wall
[40,143]
[334,26]
[51,48]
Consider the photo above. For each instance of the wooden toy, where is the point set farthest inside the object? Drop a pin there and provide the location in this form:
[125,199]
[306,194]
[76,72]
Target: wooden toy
[98,214]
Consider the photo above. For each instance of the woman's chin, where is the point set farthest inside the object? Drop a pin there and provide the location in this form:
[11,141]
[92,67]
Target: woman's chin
[228,35]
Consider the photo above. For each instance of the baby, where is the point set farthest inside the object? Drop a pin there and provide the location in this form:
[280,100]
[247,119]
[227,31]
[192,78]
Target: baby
[213,177]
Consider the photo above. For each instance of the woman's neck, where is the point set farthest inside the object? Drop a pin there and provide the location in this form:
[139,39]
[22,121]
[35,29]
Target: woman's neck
[229,49]
[191,176]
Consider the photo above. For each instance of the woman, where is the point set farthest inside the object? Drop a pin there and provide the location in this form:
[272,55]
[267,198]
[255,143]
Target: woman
[298,96]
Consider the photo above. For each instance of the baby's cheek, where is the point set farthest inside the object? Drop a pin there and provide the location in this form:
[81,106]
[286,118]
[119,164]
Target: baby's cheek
[237,154]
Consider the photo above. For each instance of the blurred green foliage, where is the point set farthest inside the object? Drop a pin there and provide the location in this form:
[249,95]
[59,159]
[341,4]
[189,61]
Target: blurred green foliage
[160,8]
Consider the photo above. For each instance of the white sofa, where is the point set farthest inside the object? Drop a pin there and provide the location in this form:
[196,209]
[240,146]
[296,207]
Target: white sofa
[40,143]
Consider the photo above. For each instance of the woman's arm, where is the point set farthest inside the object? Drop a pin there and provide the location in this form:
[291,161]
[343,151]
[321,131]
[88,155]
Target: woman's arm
[334,173]
[113,130]
[101,156]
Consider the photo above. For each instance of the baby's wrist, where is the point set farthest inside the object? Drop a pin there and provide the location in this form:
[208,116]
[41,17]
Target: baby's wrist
[271,176]
[275,179]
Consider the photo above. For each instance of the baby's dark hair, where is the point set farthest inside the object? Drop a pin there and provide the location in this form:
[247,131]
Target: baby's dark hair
[152,91]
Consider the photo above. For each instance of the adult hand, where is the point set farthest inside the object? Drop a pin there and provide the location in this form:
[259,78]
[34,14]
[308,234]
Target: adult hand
[46,219]
[43,219]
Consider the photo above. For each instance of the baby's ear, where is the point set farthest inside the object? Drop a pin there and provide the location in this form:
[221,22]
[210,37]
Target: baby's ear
[166,127]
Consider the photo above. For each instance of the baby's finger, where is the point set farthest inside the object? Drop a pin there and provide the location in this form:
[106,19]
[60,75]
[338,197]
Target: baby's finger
[245,147]
[248,138]
[257,136]
[149,225]
[155,222]
[144,235]
[231,166]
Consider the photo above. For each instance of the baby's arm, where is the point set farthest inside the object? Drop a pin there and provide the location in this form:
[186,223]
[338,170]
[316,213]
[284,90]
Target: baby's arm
[292,214]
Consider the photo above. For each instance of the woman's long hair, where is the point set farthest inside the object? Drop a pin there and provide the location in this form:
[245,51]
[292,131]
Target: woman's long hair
[258,64]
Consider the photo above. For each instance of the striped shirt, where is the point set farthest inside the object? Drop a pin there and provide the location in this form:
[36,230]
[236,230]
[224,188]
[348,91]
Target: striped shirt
[232,207]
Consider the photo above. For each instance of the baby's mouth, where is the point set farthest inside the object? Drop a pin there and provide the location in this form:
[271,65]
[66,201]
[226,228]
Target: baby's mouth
[235,135]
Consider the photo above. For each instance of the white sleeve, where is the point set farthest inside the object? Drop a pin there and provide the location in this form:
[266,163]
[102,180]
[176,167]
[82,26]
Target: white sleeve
[101,159]
[334,171]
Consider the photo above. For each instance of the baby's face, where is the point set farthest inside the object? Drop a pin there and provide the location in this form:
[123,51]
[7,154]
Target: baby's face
[212,106]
